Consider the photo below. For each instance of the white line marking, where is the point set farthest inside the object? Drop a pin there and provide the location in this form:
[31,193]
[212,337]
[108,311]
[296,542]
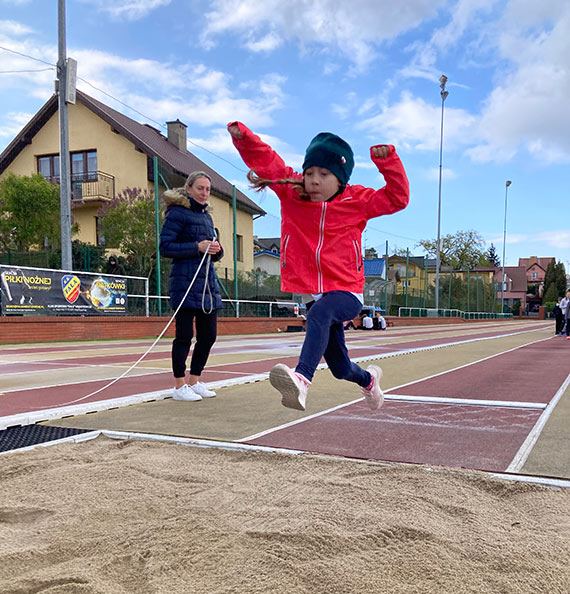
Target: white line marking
[466,401]
[529,443]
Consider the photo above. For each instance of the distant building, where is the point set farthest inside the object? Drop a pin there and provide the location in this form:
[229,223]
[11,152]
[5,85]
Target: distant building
[514,287]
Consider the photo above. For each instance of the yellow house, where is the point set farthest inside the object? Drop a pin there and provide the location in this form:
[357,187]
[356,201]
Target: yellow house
[110,152]
[410,273]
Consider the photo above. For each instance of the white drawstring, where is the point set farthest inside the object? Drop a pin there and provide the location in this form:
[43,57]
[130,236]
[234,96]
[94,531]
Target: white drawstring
[154,343]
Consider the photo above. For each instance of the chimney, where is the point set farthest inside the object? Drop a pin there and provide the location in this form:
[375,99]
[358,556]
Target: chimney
[177,135]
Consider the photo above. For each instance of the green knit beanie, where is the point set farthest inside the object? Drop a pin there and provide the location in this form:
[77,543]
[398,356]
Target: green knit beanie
[331,152]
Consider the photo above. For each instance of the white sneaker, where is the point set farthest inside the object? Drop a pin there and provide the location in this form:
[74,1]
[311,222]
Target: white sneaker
[185,393]
[201,389]
[374,397]
[292,385]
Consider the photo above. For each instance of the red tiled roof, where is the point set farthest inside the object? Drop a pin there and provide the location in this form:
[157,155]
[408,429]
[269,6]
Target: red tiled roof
[147,139]
[529,262]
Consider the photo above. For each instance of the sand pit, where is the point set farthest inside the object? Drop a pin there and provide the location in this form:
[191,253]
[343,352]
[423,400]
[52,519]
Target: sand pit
[111,517]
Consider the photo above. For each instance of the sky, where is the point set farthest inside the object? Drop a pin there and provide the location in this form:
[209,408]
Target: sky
[367,70]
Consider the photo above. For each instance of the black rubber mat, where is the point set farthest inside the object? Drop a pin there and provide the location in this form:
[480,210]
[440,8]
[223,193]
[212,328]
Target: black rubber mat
[14,438]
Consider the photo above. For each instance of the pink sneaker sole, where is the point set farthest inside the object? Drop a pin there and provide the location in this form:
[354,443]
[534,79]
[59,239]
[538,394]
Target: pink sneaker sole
[293,391]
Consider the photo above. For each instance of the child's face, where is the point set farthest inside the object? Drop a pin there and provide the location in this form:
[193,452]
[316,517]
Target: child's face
[320,183]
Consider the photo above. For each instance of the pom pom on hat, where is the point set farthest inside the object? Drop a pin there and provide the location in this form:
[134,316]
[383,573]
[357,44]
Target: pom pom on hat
[331,152]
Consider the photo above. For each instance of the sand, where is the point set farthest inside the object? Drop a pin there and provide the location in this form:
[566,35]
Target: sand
[109,517]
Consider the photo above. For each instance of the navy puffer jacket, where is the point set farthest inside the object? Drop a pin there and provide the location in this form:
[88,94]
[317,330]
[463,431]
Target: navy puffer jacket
[186,224]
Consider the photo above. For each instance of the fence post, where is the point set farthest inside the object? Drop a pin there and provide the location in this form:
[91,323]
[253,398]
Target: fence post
[146,298]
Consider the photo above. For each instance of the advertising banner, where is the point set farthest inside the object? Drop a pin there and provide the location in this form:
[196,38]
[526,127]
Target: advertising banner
[36,291]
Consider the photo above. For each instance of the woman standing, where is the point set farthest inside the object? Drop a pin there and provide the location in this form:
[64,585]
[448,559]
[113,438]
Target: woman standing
[186,236]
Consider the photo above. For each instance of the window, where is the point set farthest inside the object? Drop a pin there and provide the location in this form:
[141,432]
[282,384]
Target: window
[239,248]
[83,166]
[534,275]
[48,166]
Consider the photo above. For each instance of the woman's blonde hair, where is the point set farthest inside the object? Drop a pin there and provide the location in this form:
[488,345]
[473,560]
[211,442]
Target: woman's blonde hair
[196,175]
[259,183]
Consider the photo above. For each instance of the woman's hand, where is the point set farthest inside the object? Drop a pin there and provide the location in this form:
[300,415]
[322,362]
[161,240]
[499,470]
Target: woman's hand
[381,151]
[212,247]
[234,130]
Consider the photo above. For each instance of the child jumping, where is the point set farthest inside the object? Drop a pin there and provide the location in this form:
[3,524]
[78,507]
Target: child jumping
[322,220]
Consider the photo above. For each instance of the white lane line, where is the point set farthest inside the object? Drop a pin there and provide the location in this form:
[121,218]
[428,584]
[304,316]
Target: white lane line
[529,443]
[466,401]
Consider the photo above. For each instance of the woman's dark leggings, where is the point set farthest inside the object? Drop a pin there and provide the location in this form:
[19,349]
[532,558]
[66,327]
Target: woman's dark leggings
[206,332]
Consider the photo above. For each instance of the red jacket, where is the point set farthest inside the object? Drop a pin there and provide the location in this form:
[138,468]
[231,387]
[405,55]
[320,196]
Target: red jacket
[321,241]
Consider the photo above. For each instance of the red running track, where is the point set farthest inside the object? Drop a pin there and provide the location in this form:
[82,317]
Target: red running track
[455,434]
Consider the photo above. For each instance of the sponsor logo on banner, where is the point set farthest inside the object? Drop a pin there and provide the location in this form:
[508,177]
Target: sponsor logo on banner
[71,287]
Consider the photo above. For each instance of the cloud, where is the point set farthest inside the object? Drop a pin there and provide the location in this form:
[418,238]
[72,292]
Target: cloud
[414,124]
[130,10]
[528,108]
[446,174]
[352,29]
[16,121]
[10,28]
[556,239]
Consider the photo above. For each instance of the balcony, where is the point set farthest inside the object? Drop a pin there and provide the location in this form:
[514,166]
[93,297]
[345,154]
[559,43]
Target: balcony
[90,187]
[94,186]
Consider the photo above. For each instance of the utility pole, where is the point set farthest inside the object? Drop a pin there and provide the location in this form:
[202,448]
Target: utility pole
[65,93]
[507,184]
[444,94]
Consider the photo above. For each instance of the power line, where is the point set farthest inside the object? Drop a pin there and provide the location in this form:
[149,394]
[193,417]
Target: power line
[20,71]
[118,101]
[6,49]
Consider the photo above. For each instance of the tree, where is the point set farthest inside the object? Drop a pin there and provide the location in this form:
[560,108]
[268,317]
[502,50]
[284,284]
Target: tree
[30,207]
[555,280]
[462,251]
[128,223]
[370,253]
[492,257]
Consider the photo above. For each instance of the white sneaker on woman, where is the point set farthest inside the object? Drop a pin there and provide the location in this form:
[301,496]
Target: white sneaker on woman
[201,389]
[185,393]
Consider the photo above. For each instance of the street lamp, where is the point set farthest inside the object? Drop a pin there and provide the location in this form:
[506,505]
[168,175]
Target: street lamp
[507,184]
[444,94]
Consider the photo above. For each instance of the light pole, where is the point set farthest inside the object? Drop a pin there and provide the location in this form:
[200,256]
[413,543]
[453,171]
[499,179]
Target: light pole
[507,184]
[444,94]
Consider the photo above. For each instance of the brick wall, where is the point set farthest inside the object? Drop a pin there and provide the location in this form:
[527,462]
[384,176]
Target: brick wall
[19,329]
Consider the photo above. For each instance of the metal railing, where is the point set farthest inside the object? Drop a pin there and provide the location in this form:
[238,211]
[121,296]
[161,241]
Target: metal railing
[250,308]
[90,185]
[426,312]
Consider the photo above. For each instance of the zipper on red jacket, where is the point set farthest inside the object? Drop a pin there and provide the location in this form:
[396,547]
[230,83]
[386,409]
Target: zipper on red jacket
[357,254]
[320,288]
[284,257]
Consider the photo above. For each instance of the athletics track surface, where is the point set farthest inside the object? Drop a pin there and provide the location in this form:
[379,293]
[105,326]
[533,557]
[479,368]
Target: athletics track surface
[487,396]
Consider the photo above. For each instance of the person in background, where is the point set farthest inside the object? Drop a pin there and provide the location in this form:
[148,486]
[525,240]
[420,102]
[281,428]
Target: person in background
[114,267]
[186,236]
[322,220]
[558,316]
[381,321]
[565,308]
[367,322]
